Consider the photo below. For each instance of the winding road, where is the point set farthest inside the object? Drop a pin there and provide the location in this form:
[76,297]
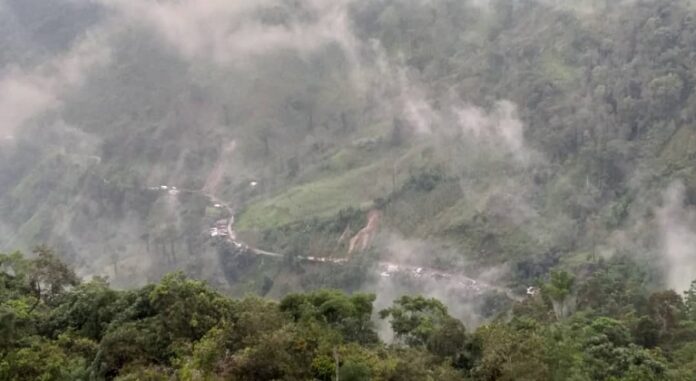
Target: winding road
[452,280]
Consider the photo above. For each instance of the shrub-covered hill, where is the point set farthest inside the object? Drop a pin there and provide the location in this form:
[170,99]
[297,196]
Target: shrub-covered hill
[604,327]
[532,133]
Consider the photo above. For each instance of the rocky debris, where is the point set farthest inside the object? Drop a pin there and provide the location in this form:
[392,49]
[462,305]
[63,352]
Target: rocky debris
[362,240]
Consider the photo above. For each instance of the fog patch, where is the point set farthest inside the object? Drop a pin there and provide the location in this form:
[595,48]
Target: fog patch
[499,129]
[677,225]
[467,302]
[231,32]
[471,308]
[27,93]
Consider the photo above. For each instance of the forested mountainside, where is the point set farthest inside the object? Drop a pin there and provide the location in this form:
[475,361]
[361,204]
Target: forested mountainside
[467,150]
[56,328]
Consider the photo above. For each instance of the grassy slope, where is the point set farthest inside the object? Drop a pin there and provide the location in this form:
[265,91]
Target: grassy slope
[351,178]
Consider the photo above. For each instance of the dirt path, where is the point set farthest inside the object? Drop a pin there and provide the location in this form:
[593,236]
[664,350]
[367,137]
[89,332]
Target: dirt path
[360,242]
[453,280]
[215,177]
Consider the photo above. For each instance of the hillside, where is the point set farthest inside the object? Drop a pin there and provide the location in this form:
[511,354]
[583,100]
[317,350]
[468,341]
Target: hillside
[607,327]
[493,141]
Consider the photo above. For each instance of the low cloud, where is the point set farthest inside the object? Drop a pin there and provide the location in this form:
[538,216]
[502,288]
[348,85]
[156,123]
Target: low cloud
[27,93]
[230,32]
[501,128]
[233,33]
[677,224]
[465,301]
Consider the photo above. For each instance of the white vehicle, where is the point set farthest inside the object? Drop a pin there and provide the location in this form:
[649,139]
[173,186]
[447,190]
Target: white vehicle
[253,184]
[392,268]
[217,206]
[385,274]
[164,187]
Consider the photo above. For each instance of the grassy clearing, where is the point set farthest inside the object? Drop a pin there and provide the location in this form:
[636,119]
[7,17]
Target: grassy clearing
[356,187]
[320,198]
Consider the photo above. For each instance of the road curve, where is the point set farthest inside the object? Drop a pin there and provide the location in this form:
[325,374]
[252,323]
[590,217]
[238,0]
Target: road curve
[387,269]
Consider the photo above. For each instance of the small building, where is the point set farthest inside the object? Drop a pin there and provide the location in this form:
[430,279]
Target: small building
[531,290]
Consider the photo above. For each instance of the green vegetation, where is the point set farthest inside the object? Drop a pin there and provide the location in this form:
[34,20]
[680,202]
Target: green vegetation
[599,121]
[549,143]
[53,327]
[345,181]
[318,199]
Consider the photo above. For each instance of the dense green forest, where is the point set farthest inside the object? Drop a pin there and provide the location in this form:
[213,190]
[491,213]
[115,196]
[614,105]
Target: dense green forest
[348,189]
[498,137]
[606,327]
